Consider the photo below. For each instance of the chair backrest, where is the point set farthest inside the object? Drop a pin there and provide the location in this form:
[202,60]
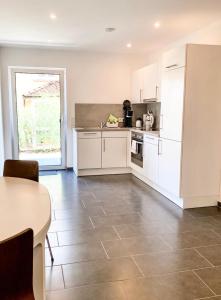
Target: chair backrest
[16,266]
[27,169]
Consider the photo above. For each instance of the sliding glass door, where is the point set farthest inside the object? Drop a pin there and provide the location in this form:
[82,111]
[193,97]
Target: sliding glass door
[38,115]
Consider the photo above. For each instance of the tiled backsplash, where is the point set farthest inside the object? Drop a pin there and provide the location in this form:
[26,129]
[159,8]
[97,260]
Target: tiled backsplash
[91,115]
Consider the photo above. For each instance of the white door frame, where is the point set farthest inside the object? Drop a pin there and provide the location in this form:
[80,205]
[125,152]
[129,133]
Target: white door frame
[12,70]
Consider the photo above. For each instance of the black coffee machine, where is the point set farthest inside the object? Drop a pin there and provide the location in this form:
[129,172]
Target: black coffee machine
[127,113]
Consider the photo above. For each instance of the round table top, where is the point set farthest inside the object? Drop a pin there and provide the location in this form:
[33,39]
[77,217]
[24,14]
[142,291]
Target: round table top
[23,204]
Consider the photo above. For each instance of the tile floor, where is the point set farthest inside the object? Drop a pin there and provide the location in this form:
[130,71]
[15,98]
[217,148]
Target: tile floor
[114,238]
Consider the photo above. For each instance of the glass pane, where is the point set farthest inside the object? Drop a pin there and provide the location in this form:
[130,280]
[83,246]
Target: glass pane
[39,114]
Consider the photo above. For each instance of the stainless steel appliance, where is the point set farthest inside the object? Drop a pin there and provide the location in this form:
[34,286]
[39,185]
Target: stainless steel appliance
[137,148]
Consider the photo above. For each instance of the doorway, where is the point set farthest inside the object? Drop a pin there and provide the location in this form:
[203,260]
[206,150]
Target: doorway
[39,116]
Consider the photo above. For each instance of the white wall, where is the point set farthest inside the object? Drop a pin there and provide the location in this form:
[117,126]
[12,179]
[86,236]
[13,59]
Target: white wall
[209,35]
[91,78]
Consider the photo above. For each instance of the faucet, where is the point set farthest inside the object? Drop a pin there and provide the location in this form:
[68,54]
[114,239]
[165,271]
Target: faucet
[102,124]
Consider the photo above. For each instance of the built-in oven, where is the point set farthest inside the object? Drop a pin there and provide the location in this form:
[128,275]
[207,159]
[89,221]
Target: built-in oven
[137,148]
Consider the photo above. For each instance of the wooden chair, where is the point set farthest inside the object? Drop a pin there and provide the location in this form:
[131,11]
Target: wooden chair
[16,267]
[27,169]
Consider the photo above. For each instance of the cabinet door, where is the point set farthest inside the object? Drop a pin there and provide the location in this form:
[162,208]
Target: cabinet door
[89,153]
[175,58]
[114,152]
[172,98]
[151,161]
[169,166]
[150,82]
[137,85]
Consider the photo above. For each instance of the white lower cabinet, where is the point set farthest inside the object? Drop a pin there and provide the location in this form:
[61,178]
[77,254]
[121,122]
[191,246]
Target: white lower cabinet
[169,166]
[114,152]
[100,152]
[89,153]
[150,156]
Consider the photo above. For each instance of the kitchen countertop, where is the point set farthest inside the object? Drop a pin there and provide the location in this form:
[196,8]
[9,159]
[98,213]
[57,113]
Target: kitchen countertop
[101,129]
[88,129]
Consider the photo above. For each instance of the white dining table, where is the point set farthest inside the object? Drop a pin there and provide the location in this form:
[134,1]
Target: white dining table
[26,204]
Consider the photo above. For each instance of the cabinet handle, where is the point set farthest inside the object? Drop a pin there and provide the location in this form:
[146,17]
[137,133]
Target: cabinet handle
[160,147]
[104,145]
[141,95]
[172,66]
[161,121]
[148,138]
[156,92]
[89,133]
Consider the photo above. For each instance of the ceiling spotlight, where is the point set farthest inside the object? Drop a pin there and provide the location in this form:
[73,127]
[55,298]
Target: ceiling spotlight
[110,29]
[157,24]
[53,16]
[129,45]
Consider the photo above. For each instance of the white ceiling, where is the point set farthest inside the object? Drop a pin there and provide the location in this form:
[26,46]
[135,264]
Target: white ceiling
[80,24]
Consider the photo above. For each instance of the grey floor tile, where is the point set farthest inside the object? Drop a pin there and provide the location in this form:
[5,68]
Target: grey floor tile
[129,217]
[205,211]
[212,277]
[108,291]
[99,271]
[192,239]
[54,278]
[79,216]
[212,253]
[135,245]
[53,239]
[75,253]
[163,263]
[154,228]
[63,225]
[192,224]
[84,236]
[119,209]
[116,220]
[178,286]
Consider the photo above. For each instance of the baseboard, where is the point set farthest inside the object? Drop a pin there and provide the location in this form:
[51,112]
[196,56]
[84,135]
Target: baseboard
[201,201]
[111,171]
[178,201]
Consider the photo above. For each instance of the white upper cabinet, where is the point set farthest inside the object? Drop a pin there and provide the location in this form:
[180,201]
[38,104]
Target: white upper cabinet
[174,58]
[169,166]
[150,83]
[172,99]
[137,86]
[114,152]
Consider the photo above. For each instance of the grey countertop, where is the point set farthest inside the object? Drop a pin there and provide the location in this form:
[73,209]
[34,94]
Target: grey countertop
[88,129]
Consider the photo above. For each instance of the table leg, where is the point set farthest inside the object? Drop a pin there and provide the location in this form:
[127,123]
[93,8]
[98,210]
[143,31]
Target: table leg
[39,272]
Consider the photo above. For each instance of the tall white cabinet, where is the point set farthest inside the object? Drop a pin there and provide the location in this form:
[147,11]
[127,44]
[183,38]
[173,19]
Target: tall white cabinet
[188,157]
[190,147]
[1,136]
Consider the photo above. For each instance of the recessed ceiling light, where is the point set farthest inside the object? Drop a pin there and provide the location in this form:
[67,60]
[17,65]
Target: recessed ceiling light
[110,29]
[53,16]
[157,24]
[129,45]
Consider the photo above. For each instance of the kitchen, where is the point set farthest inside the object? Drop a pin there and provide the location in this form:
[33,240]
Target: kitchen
[118,104]
[163,156]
